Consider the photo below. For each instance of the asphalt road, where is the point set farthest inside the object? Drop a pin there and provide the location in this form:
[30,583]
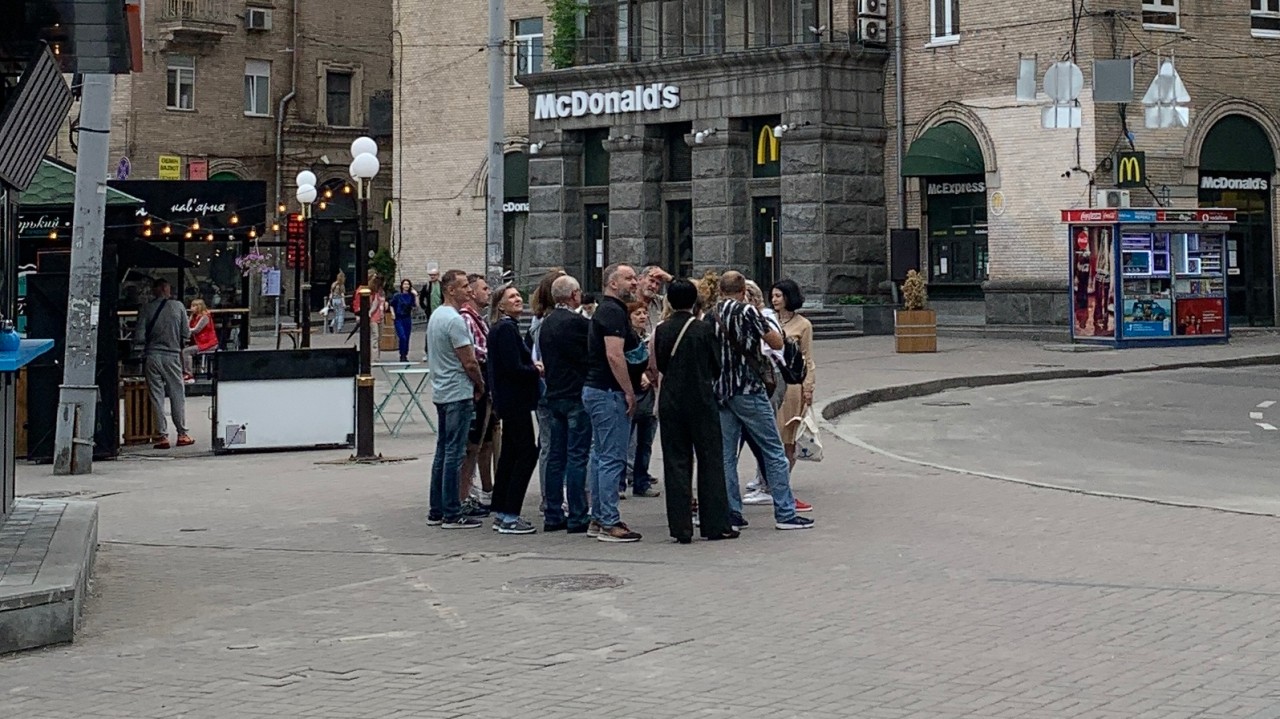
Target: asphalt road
[1198,437]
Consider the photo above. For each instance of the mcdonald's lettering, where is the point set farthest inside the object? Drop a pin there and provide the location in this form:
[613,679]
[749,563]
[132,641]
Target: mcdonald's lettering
[767,146]
[1131,169]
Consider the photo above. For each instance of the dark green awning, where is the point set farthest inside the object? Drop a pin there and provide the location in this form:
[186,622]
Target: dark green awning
[1237,144]
[55,186]
[947,149]
[515,176]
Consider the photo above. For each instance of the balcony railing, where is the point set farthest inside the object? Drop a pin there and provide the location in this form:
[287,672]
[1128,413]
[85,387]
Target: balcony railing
[210,11]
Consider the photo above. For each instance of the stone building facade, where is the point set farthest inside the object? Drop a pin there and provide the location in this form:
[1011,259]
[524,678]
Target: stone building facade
[990,232]
[217,74]
[760,147]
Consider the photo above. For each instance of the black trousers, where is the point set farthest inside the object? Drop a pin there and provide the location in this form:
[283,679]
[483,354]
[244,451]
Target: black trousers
[689,432]
[516,463]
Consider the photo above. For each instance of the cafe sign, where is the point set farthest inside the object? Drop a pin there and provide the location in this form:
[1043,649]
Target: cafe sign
[641,98]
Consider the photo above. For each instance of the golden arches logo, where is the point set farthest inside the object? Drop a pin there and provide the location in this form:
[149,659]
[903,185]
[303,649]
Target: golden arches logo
[1129,170]
[767,146]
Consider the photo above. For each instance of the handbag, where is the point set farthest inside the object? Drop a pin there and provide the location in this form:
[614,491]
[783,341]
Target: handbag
[808,444]
[792,366]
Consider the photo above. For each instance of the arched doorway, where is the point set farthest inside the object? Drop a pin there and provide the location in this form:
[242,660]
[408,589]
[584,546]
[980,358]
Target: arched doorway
[1237,166]
[333,238]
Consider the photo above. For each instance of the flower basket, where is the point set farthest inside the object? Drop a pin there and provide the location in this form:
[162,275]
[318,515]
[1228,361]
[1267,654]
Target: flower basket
[255,262]
[915,327]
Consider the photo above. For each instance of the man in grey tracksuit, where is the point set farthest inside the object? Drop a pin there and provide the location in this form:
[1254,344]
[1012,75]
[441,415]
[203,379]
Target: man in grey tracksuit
[162,332]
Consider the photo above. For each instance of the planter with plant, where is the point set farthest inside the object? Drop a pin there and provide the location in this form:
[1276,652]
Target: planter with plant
[915,326]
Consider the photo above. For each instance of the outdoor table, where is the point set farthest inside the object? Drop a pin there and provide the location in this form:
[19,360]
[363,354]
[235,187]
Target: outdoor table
[385,368]
[411,396]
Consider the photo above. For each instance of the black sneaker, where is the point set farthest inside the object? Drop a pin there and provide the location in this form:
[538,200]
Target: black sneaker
[557,526]
[472,508]
[576,530]
[462,523]
[434,520]
[796,522]
[737,521]
[517,526]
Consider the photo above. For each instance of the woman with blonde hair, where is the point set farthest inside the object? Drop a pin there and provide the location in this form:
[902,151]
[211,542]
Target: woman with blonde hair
[204,337]
[337,304]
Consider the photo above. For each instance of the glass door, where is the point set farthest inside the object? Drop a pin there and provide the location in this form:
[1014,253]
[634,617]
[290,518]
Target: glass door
[766,240]
[680,237]
[595,241]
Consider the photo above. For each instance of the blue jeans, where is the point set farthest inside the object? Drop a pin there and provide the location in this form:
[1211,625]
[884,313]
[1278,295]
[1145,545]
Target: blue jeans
[610,433]
[453,421]
[404,327]
[752,413]
[643,430]
[568,447]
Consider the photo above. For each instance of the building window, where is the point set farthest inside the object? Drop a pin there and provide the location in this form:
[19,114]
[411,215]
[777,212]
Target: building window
[944,20]
[1160,13]
[337,98]
[595,159]
[1264,18]
[528,42]
[181,92]
[257,87]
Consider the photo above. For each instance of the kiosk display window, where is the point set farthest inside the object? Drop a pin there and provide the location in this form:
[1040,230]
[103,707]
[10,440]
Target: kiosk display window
[1173,284]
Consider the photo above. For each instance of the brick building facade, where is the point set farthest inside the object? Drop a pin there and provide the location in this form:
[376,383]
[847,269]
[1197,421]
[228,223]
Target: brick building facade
[216,76]
[989,223]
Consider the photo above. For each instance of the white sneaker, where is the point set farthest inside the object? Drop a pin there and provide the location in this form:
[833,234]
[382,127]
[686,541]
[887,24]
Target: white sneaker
[753,485]
[757,497]
[486,498]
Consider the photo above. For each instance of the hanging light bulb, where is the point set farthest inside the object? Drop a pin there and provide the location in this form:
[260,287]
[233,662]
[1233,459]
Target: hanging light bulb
[53,235]
[146,232]
[253,232]
[346,189]
[188,235]
[195,224]
[282,208]
[146,222]
[275,226]
[235,219]
[167,229]
[328,193]
[323,204]
[208,237]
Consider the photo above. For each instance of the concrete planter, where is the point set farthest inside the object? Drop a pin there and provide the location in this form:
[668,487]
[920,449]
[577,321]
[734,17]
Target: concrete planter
[870,319]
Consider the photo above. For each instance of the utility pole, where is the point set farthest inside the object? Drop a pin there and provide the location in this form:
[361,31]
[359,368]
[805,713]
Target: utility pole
[497,135]
[78,395]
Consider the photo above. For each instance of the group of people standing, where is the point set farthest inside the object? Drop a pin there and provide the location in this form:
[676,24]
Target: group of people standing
[702,358]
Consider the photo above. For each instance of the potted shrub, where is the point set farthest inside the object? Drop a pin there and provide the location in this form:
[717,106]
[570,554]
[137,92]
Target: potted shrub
[915,326]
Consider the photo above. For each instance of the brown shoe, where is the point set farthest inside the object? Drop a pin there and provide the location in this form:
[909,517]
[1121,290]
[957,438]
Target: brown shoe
[185,440]
[162,444]
[618,533]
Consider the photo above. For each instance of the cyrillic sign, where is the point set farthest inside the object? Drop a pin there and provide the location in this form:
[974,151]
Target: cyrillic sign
[955,188]
[1234,183]
[641,98]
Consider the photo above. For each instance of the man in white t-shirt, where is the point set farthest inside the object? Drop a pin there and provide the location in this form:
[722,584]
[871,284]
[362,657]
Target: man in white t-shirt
[456,382]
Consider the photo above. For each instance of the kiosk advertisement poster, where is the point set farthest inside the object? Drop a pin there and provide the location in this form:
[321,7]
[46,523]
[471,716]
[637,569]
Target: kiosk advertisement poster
[1148,317]
[1202,316]
[1092,293]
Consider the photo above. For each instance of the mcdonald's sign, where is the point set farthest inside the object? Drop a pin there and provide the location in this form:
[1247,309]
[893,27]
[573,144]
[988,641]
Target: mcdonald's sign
[767,146]
[1131,169]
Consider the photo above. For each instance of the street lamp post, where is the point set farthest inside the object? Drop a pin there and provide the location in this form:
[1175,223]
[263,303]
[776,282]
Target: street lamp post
[364,167]
[306,195]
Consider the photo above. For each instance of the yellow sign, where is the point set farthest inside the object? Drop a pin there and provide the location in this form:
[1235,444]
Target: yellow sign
[767,146]
[170,167]
[1131,169]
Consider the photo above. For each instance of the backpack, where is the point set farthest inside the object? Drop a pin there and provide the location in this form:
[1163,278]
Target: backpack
[792,366]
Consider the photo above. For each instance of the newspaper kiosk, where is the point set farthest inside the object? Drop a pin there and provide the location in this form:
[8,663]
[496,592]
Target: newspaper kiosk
[1149,276]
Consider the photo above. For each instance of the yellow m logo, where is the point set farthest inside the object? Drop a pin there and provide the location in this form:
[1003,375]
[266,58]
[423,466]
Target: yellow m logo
[767,146]
[1130,170]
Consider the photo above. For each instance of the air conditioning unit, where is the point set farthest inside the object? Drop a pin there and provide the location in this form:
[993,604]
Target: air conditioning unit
[257,18]
[873,31]
[1113,198]
[873,8]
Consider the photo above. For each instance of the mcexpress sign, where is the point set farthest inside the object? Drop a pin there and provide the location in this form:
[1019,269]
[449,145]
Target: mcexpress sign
[641,98]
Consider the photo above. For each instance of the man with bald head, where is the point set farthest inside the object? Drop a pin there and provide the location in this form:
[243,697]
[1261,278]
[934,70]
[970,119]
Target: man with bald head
[610,400]
[744,402]
[562,344]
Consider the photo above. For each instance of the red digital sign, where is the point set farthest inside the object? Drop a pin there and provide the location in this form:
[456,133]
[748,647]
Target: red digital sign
[296,237]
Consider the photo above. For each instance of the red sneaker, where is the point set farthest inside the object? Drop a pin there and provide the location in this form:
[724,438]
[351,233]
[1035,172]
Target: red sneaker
[803,506]
[162,444]
[186,441]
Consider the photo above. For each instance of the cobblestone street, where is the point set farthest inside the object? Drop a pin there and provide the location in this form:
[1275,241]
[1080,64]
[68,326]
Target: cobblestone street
[270,586]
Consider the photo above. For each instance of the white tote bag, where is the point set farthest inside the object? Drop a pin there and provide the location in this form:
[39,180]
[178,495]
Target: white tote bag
[808,443]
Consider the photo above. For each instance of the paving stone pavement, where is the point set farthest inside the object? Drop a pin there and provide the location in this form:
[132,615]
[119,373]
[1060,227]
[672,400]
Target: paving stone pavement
[270,586]
[24,540]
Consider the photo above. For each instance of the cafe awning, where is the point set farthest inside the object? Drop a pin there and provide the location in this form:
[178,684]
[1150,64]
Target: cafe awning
[1237,144]
[55,186]
[944,150]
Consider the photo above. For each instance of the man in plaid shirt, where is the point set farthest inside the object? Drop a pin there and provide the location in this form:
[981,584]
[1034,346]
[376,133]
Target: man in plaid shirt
[480,441]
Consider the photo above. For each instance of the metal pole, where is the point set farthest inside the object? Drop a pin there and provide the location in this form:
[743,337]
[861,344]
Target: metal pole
[306,280]
[900,111]
[364,383]
[78,396]
[497,92]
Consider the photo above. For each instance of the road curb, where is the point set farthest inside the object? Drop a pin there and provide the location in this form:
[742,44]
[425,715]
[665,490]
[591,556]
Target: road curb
[836,408]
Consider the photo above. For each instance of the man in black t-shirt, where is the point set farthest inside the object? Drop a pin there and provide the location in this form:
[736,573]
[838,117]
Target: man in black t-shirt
[609,399]
[562,344]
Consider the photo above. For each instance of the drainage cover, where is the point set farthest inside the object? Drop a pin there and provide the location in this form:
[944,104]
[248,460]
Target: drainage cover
[945,403]
[1073,403]
[567,583]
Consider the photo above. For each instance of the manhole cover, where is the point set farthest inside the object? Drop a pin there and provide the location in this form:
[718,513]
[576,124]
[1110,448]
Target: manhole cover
[1073,403]
[945,403]
[567,583]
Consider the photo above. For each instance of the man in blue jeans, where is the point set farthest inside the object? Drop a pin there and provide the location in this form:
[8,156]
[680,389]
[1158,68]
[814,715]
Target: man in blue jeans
[562,344]
[609,399]
[744,402]
[456,384]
